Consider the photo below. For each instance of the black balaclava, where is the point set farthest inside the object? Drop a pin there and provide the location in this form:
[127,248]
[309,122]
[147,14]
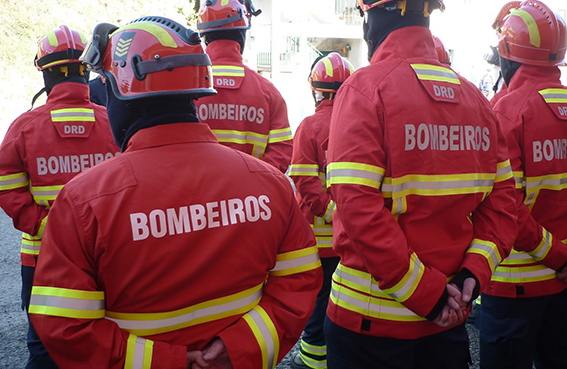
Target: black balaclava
[55,76]
[381,21]
[508,68]
[238,35]
[127,117]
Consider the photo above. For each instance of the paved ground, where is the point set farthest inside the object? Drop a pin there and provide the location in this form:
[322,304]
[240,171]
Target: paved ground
[13,325]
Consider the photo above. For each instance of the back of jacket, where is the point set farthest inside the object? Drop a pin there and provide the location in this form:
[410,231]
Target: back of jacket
[172,254]
[42,150]
[533,116]
[420,173]
[248,113]
[308,171]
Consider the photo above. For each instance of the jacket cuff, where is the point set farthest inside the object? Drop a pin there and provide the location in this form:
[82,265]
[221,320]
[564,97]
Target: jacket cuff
[438,306]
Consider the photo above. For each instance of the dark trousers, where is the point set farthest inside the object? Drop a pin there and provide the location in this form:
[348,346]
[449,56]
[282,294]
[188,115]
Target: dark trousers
[350,350]
[39,358]
[313,333]
[516,332]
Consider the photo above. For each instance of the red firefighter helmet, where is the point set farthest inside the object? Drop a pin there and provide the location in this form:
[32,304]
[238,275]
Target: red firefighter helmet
[150,56]
[329,73]
[219,15]
[60,46]
[531,33]
[442,54]
[425,6]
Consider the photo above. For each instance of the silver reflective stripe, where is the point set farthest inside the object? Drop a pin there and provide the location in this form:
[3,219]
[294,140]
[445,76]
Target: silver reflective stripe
[546,182]
[520,274]
[354,173]
[545,246]
[311,171]
[21,180]
[364,284]
[266,336]
[283,134]
[295,262]
[412,281]
[77,114]
[39,192]
[139,353]
[489,250]
[366,305]
[241,136]
[442,185]
[67,303]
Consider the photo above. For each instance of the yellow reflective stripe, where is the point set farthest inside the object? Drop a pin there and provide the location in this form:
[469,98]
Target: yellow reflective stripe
[533,29]
[67,303]
[307,170]
[354,173]
[518,258]
[554,95]
[63,61]
[241,137]
[378,308]
[280,135]
[73,115]
[427,72]
[266,334]
[403,290]
[52,38]
[45,192]
[523,274]
[544,246]
[313,363]
[488,250]
[16,180]
[144,324]
[440,185]
[297,261]
[328,66]
[313,349]
[158,32]
[228,71]
[519,179]
[554,182]
[503,171]
[31,244]
[139,352]
[331,207]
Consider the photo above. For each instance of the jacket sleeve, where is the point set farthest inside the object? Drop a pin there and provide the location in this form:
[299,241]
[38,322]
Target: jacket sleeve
[68,306]
[304,171]
[264,335]
[355,173]
[15,196]
[532,237]
[494,221]
[279,148]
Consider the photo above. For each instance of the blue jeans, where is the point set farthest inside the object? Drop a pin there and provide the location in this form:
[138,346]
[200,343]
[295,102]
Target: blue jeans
[350,350]
[39,358]
[516,332]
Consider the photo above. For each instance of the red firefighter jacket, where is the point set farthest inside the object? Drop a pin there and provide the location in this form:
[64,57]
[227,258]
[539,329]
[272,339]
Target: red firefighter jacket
[248,113]
[42,150]
[420,173]
[145,259]
[308,167]
[497,96]
[533,116]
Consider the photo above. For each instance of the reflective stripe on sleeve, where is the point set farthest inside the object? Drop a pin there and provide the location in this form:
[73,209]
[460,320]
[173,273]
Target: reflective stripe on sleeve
[554,95]
[67,303]
[523,274]
[280,135]
[266,334]
[73,115]
[519,179]
[403,290]
[11,181]
[139,352]
[488,250]
[544,246]
[31,244]
[144,324]
[517,258]
[331,207]
[48,193]
[228,71]
[503,171]
[429,72]
[354,173]
[307,170]
[297,261]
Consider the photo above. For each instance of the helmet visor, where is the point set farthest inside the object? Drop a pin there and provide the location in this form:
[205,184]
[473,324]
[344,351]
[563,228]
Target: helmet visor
[93,56]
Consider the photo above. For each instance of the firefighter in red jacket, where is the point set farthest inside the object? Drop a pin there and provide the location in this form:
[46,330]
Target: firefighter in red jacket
[522,317]
[248,113]
[308,166]
[46,147]
[419,170]
[180,252]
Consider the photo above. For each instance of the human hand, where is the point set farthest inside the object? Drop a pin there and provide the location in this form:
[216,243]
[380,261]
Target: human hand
[452,312]
[214,356]
[467,292]
[195,360]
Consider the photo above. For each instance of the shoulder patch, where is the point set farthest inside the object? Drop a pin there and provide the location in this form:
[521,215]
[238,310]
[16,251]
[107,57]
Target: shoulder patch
[441,83]
[73,122]
[556,99]
[228,76]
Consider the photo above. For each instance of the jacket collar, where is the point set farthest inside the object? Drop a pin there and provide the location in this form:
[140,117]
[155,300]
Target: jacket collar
[323,105]
[405,43]
[224,51]
[69,92]
[532,75]
[171,134]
